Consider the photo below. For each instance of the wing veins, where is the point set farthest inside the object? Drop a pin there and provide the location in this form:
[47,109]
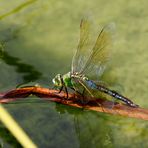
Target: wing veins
[95,50]
[84,37]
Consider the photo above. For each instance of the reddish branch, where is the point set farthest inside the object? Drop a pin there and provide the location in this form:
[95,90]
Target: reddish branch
[99,105]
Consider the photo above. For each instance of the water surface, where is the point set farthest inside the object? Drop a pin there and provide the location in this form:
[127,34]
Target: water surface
[39,37]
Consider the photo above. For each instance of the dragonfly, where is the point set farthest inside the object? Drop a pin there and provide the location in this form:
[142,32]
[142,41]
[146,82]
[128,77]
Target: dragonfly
[90,60]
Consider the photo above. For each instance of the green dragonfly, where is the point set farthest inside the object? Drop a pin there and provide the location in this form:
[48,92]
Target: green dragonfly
[90,61]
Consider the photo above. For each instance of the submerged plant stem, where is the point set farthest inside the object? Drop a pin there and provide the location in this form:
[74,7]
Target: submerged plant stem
[18,8]
[74,100]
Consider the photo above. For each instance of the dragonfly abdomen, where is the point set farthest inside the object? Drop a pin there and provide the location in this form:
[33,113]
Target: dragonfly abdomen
[112,93]
[116,95]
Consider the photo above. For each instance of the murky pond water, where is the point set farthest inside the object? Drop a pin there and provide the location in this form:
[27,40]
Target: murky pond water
[38,39]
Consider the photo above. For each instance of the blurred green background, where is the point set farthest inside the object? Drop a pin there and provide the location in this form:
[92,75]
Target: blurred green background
[38,39]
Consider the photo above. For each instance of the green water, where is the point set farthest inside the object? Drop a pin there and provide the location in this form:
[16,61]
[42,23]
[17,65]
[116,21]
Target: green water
[38,39]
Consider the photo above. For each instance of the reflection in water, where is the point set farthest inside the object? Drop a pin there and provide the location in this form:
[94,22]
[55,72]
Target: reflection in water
[18,8]
[88,127]
[76,127]
[30,73]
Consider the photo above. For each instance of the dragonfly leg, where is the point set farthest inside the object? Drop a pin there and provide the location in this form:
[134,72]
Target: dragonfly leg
[75,90]
[83,101]
[83,92]
[99,105]
[60,89]
[66,91]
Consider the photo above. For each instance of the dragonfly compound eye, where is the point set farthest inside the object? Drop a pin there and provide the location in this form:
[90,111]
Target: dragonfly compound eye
[53,81]
[57,80]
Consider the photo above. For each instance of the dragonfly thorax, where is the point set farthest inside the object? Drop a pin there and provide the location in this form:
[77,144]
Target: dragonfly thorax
[79,76]
[60,80]
[67,79]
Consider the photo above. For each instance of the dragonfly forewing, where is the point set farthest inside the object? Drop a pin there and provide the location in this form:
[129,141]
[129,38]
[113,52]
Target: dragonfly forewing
[84,46]
[93,51]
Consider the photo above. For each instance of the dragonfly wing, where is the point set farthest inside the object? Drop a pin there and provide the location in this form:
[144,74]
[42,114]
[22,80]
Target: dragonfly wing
[100,53]
[83,50]
[79,86]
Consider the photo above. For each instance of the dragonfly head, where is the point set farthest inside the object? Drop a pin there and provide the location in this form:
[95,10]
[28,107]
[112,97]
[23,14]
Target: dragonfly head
[57,80]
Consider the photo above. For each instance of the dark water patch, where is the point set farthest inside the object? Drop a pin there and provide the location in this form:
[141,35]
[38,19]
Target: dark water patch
[30,73]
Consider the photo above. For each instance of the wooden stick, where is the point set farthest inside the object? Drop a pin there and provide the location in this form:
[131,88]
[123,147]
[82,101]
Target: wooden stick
[97,104]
